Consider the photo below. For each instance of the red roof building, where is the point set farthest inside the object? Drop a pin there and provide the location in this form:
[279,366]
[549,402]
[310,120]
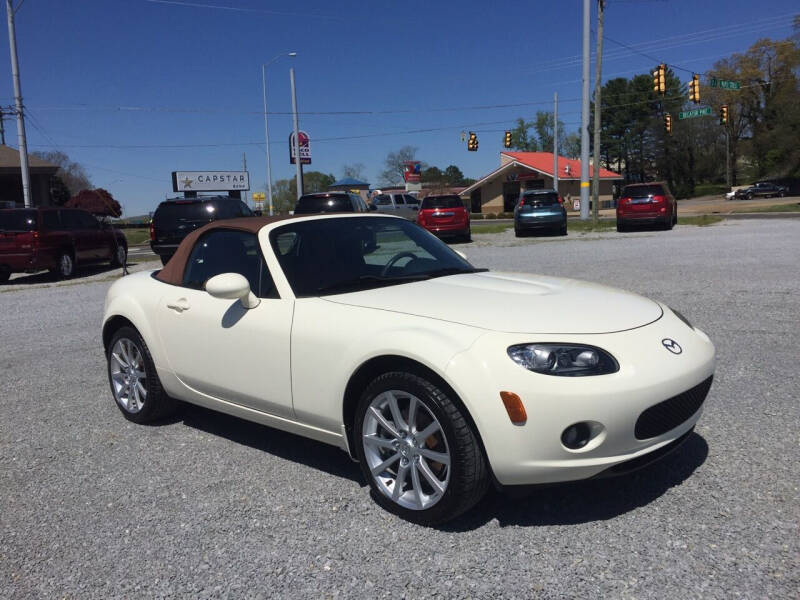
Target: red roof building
[518,171]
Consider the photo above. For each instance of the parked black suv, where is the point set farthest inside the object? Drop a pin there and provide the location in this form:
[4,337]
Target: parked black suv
[176,218]
[323,202]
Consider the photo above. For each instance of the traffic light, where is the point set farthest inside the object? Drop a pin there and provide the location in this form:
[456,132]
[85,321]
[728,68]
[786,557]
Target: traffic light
[723,115]
[660,79]
[472,142]
[694,89]
[668,123]
[507,140]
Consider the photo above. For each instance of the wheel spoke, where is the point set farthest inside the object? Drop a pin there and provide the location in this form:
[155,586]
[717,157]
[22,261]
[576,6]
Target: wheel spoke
[400,424]
[377,469]
[432,479]
[416,484]
[427,432]
[378,441]
[140,391]
[402,473]
[126,353]
[120,360]
[412,414]
[118,378]
[140,374]
[384,423]
[438,457]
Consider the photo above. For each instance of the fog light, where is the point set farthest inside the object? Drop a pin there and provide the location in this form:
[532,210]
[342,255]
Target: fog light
[576,436]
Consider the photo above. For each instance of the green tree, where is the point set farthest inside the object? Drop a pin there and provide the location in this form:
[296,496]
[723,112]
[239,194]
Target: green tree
[355,170]
[432,174]
[284,191]
[454,176]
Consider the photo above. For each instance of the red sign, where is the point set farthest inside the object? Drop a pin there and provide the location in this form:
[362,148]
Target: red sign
[412,171]
[305,148]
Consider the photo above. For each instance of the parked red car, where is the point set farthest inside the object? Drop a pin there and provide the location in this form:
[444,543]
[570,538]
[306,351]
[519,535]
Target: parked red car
[445,215]
[58,239]
[646,204]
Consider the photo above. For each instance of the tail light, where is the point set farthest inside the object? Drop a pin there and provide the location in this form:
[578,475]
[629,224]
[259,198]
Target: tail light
[152,232]
[560,200]
[36,239]
[624,201]
[421,218]
[521,202]
[659,199]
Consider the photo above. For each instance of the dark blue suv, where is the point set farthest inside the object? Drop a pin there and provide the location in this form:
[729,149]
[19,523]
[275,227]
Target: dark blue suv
[540,210]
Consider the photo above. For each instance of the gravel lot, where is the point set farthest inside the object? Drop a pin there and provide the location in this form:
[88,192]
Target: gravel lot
[92,506]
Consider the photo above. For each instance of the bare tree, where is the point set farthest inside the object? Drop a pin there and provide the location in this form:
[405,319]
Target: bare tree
[355,170]
[72,174]
[394,163]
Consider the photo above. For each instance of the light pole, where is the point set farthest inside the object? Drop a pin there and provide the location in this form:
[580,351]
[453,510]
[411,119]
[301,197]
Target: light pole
[23,144]
[266,126]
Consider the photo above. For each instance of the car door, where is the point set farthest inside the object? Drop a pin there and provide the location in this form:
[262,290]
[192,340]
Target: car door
[401,210]
[383,202]
[99,243]
[217,347]
[83,242]
[412,204]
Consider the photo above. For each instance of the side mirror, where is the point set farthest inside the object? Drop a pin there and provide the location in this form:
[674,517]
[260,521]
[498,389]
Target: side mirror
[232,286]
[373,207]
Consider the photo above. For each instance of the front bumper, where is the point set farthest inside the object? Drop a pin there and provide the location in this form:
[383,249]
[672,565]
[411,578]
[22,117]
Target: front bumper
[532,453]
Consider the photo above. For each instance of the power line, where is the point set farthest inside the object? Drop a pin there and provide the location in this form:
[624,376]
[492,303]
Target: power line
[243,9]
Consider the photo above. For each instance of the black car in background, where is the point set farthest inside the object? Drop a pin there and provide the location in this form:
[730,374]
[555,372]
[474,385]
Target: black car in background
[540,210]
[323,202]
[176,218]
[761,190]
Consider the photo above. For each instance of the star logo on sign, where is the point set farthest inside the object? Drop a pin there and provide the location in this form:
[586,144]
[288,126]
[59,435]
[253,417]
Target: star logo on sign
[187,183]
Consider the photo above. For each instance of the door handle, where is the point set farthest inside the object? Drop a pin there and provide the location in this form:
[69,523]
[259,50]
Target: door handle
[179,305]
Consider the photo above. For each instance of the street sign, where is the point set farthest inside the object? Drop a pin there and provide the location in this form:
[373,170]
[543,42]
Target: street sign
[697,112]
[725,84]
[258,196]
[210,181]
[305,148]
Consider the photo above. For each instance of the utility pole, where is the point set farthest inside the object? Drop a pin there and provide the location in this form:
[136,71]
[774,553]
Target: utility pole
[585,116]
[555,141]
[2,127]
[297,160]
[23,144]
[598,77]
[727,157]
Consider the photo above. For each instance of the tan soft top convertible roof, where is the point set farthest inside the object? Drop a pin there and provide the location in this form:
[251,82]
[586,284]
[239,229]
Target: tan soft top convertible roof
[173,270]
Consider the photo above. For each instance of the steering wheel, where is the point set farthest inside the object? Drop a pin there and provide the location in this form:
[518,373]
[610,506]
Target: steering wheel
[394,259]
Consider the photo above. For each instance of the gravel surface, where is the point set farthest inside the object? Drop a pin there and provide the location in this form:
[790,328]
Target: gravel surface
[206,505]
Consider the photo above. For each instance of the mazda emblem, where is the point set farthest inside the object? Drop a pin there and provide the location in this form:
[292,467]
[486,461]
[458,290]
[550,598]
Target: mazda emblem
[672,346]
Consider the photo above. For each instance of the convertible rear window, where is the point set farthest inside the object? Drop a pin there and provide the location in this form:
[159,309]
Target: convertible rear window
[17,220]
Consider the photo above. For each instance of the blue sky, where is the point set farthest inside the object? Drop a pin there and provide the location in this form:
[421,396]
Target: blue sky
[134,89]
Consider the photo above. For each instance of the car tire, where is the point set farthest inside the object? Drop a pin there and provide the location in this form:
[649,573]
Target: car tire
[467,237]
[782,194]
[749,196]
[518,232]
[431,492]
[563,230]
[65,265]
[119,255]
[4,275]
[128,359]
[621,228]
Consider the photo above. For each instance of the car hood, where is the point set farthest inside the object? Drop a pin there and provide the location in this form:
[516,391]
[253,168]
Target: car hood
[513,303]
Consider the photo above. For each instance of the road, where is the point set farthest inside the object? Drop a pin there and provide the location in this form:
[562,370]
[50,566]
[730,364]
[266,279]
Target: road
[92,506]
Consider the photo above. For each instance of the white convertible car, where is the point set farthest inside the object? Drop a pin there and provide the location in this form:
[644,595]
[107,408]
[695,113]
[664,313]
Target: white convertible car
[368,333]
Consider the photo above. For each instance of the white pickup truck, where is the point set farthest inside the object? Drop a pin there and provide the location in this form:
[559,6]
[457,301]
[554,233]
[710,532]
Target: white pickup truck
[402,205]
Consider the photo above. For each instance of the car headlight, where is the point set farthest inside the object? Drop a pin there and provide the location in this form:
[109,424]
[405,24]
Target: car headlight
[681,317]
[566,360]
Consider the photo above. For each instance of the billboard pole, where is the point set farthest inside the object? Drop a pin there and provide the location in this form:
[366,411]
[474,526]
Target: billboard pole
[297,160]
[585,116]
[555,141]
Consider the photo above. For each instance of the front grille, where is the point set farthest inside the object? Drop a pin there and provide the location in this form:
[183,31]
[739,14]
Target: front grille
[670,413]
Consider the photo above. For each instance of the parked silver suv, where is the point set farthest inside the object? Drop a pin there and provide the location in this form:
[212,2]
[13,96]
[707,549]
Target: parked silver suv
[402,205]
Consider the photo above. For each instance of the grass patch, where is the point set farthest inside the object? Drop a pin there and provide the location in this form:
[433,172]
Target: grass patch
[701,221]
[709,189]
[490,227]
[773,208]
[137,237]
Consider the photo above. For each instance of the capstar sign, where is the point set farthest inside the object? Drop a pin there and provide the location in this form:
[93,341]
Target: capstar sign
[210,181]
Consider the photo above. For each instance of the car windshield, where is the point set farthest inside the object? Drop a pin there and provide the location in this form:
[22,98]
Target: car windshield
[547,199]
[643,191]
[441,202]
[17,220]
[333,256]
[327,203]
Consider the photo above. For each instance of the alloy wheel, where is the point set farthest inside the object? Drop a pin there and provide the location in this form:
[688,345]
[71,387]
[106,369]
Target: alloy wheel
[406,450]
[65,265]
[128,375]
